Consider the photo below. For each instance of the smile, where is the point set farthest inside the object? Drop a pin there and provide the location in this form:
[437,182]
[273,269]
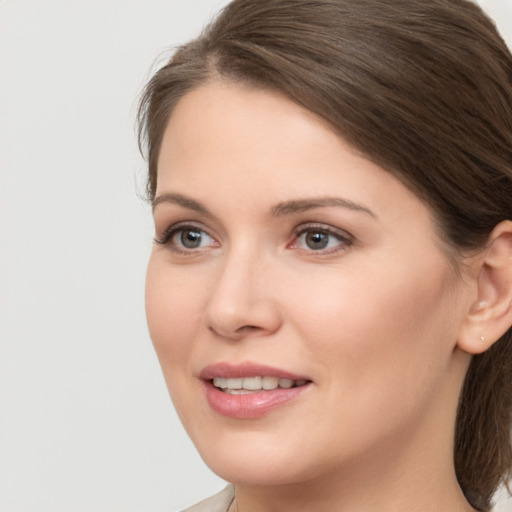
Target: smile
[249,390]
[247,385]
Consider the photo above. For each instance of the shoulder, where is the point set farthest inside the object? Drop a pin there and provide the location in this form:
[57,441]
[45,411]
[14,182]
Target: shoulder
[218,503]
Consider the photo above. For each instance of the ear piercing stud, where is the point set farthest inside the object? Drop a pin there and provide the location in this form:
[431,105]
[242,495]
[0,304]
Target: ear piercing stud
[482,339]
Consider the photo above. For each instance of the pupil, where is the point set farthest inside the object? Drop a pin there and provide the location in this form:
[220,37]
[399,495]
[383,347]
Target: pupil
[191,239]
[317,240]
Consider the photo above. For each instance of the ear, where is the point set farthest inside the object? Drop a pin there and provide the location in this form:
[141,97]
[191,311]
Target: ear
[490,315]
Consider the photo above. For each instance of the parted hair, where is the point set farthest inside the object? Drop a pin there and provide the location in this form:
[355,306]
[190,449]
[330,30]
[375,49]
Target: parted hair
[423,88]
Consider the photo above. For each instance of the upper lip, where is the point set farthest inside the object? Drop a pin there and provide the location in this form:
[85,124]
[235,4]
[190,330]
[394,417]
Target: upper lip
[246,369]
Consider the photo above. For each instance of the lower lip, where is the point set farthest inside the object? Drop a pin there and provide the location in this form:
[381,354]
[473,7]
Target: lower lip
[251,405]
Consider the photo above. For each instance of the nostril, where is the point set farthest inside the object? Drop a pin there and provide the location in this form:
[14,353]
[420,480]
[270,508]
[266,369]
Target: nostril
[237,334]
[247,331]
[246,328]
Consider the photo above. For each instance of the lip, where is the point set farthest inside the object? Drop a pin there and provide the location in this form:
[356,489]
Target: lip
[246,369]
[253,405]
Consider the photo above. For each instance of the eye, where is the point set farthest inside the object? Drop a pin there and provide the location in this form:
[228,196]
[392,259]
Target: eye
[191,238]
[186,238]
[321,239]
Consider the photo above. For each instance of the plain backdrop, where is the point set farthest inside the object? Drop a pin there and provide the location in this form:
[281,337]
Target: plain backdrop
[86,423]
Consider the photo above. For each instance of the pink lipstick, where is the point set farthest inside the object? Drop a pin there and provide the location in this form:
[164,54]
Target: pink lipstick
[250,390]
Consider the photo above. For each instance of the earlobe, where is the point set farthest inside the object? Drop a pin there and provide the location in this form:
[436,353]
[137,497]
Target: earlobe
[490,316]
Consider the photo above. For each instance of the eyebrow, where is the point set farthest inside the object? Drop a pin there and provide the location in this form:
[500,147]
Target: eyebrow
[301,205]
[180,200]
[280,209]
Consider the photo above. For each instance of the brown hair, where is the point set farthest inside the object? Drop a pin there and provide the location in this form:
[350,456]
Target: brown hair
[423,88]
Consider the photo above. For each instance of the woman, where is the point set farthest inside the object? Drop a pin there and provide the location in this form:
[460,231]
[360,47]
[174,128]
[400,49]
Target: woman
[330,289]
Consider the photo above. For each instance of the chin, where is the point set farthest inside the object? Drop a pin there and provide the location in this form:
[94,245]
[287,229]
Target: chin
[249,457]
[239,470]
[252,457]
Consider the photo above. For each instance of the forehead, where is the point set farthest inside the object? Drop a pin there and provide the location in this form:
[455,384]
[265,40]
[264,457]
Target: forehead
[230,141]
[218,113]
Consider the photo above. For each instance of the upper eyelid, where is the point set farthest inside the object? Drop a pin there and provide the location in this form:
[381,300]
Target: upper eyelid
[168,222]
[344,238]
[166,235]
[342,233]
[176,226]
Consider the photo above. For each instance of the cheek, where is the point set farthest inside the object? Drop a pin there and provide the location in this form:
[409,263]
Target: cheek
[383,329]
[380,345]
[173,311]
[174,314]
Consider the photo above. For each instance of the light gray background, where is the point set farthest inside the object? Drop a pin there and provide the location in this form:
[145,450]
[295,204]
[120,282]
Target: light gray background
[86,423]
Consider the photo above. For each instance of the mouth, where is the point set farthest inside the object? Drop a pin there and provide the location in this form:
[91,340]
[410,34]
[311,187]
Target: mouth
[250,391]
[249,385]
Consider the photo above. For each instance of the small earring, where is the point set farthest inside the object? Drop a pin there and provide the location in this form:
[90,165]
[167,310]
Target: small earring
[482,339]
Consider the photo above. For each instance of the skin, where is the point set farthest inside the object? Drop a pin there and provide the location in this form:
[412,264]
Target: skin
[373,320]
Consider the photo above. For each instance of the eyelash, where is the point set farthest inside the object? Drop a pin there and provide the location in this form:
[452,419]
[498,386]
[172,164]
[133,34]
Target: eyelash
[345,239]
[166,238]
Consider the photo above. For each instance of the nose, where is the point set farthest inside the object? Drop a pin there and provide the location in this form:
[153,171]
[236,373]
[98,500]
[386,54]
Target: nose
[242,302]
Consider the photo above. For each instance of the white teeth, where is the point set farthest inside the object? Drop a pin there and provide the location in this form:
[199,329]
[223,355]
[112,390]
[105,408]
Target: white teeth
[270,383]
[234,383]
[252,383]
[242,386]
[219,382]
[285,383]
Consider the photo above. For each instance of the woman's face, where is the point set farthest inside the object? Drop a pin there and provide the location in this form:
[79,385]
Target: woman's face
[284,258]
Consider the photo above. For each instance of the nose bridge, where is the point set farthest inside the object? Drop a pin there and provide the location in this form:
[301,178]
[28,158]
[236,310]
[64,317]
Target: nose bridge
[240,301]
